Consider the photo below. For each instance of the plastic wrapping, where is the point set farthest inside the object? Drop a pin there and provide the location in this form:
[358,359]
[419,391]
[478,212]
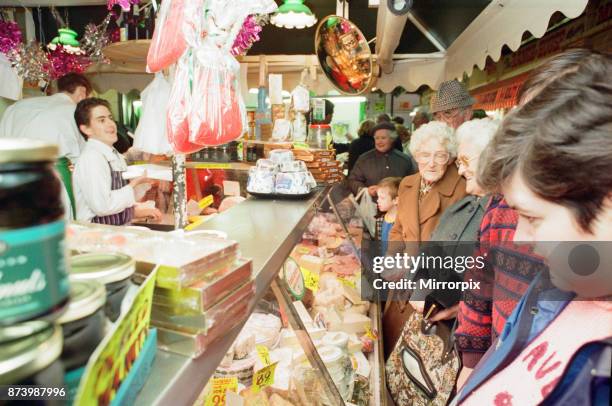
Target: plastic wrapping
[150,135]
[279,156]
[168,42]
[293,183]
[261,180]
[217,115]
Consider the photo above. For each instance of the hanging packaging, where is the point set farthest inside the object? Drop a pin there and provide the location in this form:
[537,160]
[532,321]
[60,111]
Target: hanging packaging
[150,134]
[168,42]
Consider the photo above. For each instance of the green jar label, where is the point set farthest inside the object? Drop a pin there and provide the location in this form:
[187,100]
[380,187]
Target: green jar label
[33,277]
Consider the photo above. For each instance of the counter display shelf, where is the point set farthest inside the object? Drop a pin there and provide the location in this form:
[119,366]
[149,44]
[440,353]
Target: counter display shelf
[267,231]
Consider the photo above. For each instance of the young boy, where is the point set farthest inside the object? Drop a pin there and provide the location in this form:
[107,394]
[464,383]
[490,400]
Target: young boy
[102,195]
[387,204]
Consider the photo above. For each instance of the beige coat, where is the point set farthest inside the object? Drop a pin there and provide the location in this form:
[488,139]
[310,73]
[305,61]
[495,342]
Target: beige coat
[416,220]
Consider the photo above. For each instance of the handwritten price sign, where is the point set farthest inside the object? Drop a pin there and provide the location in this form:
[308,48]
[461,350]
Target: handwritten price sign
[311,280]
[264,377]
[220,386]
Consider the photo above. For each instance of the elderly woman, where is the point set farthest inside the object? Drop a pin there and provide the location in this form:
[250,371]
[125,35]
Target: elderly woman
[382,162]
[423,197]
[461,221]
[361,145]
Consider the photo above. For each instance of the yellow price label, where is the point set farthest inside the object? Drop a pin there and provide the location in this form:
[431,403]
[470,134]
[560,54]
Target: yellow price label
[264,377]
[264,354]
[205,202]
[371,333]
[195,224]
[220,386]
[311,280]
[213,165]
[303,250]
[347,282]
[300,145]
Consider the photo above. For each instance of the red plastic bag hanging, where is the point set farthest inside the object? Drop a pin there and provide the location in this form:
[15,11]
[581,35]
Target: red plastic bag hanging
[179,107]
[218,112]
[168,43]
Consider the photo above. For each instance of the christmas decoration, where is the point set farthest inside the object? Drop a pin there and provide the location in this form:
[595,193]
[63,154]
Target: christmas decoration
[95,39]
[63,62]
[249,34]
[124,4]
[31,62]
[10,36]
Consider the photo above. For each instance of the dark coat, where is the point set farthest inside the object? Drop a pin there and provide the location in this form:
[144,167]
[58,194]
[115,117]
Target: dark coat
[373,166]
[362,145]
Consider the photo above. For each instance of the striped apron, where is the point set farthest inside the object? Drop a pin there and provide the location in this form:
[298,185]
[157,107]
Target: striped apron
[118,219]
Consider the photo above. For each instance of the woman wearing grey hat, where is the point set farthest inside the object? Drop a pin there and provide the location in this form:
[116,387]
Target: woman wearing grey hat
[452,104]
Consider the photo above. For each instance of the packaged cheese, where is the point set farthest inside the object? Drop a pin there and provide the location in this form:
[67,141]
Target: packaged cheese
[261,180]
[293,166]
[293,183]
[278,156]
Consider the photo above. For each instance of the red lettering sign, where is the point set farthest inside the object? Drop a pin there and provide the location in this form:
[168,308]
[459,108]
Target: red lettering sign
[536,353]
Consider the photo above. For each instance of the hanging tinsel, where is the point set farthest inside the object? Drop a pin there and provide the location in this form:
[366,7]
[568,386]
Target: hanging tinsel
[95,39]
[124,4]
[31,62]
[10,36]
[249,34]
[63,62]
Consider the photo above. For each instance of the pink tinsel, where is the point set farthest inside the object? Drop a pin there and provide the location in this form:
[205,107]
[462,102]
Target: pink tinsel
[10,36]
[63,62]
[125,4]
[248,35]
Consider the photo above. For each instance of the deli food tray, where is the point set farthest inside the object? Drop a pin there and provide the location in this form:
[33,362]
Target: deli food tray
[282,196]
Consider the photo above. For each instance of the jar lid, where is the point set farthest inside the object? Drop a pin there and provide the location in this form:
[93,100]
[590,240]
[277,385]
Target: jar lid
[28,348]
[26,150]
[103,267]
[86,298]
[330,354]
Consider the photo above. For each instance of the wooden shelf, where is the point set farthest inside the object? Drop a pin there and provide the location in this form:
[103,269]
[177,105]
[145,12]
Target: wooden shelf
[130,55]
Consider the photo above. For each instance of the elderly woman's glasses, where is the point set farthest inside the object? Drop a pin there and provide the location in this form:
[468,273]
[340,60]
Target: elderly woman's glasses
[439,158]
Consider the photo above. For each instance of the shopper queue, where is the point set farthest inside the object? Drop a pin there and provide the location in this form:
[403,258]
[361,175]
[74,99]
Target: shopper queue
[541,332]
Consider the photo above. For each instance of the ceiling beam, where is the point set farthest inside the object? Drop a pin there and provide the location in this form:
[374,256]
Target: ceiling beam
[425,31]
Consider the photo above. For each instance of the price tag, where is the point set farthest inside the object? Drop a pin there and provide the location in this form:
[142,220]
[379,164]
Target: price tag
[264,377]
[303,250]
[264,354]
[205,202]
[300,145]
[370,333]
[311,280]
[220,386]
[195,224]
[347,282]
[213,165]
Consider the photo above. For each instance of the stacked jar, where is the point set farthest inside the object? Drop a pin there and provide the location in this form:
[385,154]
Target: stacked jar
[34,286]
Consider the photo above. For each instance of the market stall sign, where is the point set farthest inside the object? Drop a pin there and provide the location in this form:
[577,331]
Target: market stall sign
[220,386]
[264,377]
[111,362]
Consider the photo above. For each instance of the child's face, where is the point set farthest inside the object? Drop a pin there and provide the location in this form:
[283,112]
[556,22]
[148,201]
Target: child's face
[385,202]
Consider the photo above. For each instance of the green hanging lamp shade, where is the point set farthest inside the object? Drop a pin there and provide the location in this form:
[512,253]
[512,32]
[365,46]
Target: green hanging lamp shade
[293,14]
[66,37]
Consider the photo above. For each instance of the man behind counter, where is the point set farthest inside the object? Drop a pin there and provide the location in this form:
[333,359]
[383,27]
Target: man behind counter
[102,195]
[51,119]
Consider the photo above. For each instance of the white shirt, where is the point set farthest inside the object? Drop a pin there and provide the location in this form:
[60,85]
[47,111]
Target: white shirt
[47,118]
[92,182]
